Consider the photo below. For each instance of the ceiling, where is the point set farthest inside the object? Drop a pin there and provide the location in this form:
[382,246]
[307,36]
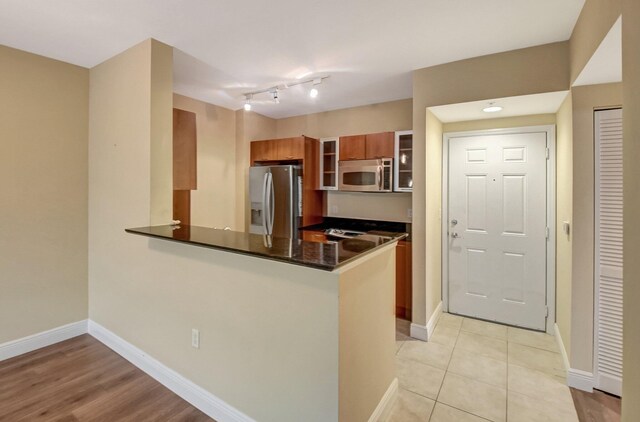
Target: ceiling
[229,47]
[523,105]
[605,65]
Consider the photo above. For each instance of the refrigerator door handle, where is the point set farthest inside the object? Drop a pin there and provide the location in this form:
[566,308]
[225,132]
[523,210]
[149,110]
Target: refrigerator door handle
[265,186]
[272,203]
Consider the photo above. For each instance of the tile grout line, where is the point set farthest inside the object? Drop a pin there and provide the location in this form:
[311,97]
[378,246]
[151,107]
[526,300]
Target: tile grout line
[446,371]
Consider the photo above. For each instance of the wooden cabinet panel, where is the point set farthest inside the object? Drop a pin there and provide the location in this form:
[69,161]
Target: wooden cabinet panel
[264,151]
[352,147]
[184,150]
[313,236]
[290,148]
[182,206]
[378,145]
[312,196]
[403,280]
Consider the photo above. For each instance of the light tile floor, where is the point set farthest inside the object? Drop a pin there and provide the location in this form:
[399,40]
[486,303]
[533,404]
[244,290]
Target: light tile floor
[474,371]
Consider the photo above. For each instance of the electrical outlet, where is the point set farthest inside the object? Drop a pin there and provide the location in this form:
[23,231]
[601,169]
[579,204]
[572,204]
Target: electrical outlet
[409,212]
[334,209]
[195,338]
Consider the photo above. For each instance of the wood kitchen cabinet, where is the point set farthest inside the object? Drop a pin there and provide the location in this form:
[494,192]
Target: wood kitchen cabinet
[286,149]
[314,236]
[379,145]
[264,151]
[184,150]
[403,280]
[290,148]
[365,147]
[352,147]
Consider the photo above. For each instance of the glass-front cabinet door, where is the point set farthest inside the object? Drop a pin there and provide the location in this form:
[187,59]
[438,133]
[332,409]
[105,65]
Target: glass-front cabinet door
[329,156]
[403,175]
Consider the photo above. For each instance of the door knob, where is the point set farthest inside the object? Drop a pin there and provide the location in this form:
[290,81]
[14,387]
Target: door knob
[455,235]
[454,222]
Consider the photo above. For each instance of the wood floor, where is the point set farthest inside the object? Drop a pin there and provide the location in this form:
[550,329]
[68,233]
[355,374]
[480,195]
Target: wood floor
[596,406]
[83,380]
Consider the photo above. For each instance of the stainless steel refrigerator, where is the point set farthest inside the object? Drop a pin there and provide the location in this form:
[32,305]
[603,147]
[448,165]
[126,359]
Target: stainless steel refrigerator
[276,200]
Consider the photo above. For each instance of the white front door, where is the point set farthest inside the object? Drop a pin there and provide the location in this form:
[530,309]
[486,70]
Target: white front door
[497,227]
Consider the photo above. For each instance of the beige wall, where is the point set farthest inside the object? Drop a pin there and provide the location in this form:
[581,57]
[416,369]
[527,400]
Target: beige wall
[631,113]
[213,203]
[585,100]
[595,20]
[500,123]
[250,126]
[564,212]
[43,218]
[162,134]
[382,117]
[367,334]
[520,72]
[370,206]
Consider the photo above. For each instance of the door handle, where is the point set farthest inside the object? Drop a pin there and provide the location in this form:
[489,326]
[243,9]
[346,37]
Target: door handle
[379,177]
[265,187]
[455,235]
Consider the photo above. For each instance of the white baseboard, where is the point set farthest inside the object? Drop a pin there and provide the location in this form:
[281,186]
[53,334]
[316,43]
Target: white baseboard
[419,332]
[435,317]
[563,351]
[582,380]
[189,391]
[424,332]
[383,410]
[576,378]
[46,338]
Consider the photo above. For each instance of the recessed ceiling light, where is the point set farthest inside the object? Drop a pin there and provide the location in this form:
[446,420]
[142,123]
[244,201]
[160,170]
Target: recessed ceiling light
[313,93]
[491,108]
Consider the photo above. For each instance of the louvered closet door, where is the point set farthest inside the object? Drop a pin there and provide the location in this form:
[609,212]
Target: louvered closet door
[608,137]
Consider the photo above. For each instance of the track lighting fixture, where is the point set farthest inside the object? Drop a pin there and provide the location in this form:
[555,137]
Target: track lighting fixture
[274,91]
[313,93]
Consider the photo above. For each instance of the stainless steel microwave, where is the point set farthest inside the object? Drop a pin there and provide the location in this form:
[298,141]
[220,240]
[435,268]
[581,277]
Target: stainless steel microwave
[366,175]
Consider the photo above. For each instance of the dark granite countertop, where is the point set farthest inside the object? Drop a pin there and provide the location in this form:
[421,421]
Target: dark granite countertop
[368,226]
[323,256]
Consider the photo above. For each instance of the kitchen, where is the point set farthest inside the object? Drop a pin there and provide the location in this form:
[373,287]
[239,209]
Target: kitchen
[239,335]
[335,134]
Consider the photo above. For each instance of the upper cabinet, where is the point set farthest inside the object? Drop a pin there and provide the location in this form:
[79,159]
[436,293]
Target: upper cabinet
[329,157]
[285,149]
[184,150]
[379,145]
[366,147]
[403,157]
[352,147]
[290,148]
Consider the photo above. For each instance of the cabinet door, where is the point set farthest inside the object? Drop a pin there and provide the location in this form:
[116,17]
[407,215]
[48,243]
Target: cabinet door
[403,280]
[352,147]
[312,236]
[184,150]
[263,151]
[403,162]
[379,145]
[329,157]
[290,148]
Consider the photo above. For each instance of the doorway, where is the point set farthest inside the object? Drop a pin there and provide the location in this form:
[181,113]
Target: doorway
[498,225]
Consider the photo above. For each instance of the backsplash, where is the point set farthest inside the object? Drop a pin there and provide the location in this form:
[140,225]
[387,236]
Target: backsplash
[369,206]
